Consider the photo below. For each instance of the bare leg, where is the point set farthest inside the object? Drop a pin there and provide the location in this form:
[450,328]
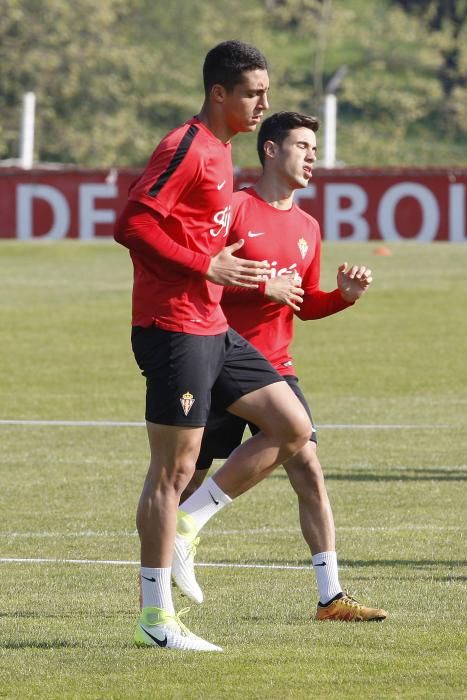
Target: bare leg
[174,451]
[284,430]
[306,476]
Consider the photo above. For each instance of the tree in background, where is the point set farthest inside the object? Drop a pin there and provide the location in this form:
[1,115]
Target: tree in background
[112,77]
[74,57]
[447,20]
[305,18]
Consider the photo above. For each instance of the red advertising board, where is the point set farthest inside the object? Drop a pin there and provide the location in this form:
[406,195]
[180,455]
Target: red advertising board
[350,204]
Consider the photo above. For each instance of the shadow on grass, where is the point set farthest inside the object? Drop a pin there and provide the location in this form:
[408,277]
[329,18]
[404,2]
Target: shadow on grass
[30,614]
[450,579]
[373,563]
[49,644]
[450,567]
[415,563]
[74,614]
[427,474]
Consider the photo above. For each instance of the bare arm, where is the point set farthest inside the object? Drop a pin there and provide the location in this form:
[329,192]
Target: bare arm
[139,229]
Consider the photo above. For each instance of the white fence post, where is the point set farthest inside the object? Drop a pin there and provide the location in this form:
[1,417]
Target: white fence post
[26,155]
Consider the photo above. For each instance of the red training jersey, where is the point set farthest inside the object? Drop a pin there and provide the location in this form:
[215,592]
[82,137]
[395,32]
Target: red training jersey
[187,186]
[290,241]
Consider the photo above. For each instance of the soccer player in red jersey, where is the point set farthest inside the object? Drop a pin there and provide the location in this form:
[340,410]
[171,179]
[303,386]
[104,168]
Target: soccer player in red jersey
[175,226]
[274,228]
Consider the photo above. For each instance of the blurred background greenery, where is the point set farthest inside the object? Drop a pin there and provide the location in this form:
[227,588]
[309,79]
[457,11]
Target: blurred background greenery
[112,77]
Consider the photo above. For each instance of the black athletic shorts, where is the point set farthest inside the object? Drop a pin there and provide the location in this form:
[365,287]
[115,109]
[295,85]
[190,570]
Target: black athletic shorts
[224,431]
[187,375]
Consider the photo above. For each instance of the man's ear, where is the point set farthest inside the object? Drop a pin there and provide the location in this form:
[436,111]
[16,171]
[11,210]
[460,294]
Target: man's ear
[270,149]
[218,93]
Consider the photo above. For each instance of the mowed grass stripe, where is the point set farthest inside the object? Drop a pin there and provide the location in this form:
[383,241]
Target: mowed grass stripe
[258,531]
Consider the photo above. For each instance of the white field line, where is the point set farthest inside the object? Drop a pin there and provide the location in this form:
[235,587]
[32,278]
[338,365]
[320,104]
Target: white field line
[119,562]
[140,424]
[77,423]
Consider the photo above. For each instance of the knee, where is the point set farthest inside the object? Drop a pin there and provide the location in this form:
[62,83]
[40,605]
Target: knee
[183,475]
[298,432]
[173,477]
[306,429]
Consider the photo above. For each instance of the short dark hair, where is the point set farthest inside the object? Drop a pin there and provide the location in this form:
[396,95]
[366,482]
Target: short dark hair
[226,63]
[276,128]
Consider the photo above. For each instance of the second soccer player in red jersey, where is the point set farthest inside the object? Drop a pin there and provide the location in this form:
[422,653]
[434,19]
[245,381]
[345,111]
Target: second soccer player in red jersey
[275,229]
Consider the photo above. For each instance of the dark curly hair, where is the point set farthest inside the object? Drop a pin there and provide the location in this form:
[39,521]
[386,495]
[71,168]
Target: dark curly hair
[226,63]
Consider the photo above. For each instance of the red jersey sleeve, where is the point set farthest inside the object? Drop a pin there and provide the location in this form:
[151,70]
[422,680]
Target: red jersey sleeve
[138,229]
[317,303]
[244,294]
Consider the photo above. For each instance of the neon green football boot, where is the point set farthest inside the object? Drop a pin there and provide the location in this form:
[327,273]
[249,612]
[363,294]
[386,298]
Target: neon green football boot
[183,571]
[157,628]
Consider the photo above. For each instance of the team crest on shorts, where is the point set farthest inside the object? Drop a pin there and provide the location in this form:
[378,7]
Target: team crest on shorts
[303,247]
[187,402]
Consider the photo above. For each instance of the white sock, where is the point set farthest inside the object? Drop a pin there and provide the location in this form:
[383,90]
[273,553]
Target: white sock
[156,589]
[327,576]
[206,501]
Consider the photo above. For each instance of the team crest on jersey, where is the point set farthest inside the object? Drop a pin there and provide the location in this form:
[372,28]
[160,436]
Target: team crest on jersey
[187,402]
[303,247]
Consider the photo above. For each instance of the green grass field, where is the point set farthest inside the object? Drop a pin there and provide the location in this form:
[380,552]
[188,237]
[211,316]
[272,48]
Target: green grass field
[69,493]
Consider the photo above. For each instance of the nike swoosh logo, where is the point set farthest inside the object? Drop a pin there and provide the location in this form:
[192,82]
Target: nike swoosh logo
[253,234]
[219,187]
[153,580]
[214,500]
[159,642]
[323,563]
